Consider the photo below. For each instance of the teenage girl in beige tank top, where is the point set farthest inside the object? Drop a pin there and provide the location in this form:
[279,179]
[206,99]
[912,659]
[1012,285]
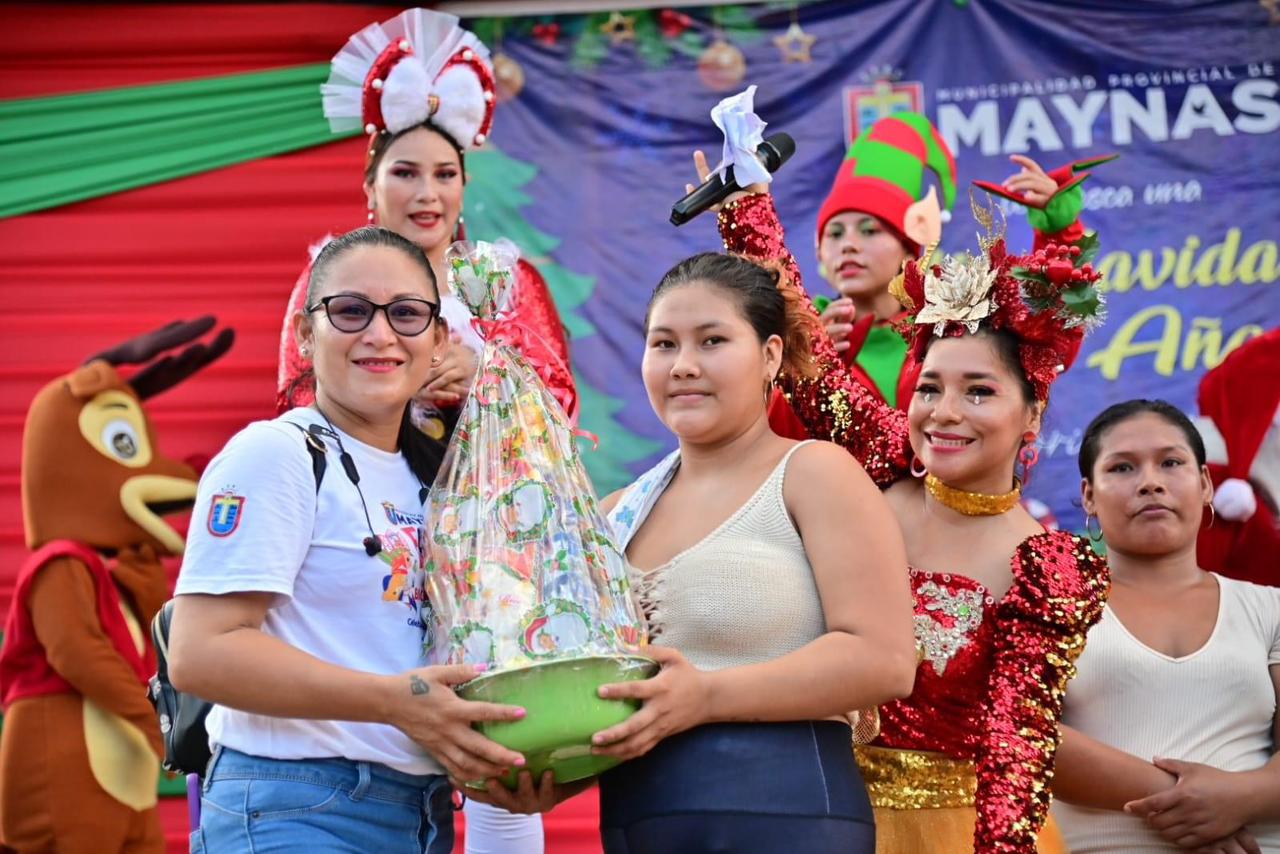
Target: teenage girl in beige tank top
[768,629]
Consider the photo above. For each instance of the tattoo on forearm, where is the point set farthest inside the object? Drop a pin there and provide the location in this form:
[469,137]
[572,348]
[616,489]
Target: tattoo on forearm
[417,686]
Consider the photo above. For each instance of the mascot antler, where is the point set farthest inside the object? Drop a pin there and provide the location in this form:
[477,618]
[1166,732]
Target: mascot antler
[169,371]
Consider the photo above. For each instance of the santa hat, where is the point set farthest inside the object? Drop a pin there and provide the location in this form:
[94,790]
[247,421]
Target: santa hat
[883,173]
[419,66]
[1241,397]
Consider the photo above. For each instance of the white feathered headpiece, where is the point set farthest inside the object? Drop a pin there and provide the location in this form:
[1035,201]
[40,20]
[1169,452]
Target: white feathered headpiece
[417,66]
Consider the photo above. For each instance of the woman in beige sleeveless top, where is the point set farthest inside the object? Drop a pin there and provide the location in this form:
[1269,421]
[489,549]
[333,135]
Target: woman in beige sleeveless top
[1170,729]
[767,628]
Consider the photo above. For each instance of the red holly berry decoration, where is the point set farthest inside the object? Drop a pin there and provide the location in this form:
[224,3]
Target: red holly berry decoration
[548,34]
[673,23]
[1059,271]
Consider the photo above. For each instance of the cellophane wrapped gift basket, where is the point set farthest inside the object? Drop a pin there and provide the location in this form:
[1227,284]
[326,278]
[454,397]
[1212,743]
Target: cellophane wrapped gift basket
[523,574]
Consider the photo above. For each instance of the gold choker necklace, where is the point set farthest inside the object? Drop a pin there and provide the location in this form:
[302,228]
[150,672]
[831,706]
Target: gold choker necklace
[973,503]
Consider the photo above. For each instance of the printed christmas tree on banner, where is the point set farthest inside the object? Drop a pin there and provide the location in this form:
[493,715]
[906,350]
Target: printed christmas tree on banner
[493,210]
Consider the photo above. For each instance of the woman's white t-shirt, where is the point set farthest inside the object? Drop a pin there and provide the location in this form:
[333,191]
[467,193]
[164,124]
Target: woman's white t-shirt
[259,525]
[1216,706]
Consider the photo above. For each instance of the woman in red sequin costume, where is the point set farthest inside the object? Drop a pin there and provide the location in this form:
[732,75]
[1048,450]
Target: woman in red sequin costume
[1002,606]
[422,89]
[413,178]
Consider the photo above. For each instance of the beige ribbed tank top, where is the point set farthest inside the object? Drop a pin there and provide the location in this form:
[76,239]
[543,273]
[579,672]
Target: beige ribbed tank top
[743,594]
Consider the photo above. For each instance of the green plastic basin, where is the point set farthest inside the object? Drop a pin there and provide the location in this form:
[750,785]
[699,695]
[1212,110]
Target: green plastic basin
[563,708]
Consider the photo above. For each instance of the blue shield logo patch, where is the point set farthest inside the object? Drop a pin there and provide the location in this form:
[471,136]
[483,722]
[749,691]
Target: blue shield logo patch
[224,514]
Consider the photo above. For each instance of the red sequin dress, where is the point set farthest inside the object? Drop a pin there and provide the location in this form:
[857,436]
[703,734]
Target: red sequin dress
[971,750]
[547,349]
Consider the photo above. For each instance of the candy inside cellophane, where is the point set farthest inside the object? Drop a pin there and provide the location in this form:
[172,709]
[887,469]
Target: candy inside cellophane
[522,568]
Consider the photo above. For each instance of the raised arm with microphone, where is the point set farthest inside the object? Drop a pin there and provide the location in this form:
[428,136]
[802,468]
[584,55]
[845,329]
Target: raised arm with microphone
[772,152]
[747,157]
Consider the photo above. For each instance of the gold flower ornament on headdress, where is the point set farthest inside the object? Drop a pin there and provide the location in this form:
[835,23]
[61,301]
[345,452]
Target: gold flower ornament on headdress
[959,293]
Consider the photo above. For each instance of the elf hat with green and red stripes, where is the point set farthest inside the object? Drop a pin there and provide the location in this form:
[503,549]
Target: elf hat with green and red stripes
[883,173]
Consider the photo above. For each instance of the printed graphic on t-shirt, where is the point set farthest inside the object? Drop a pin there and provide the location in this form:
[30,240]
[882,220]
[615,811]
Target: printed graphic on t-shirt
[224,513]
[401,551]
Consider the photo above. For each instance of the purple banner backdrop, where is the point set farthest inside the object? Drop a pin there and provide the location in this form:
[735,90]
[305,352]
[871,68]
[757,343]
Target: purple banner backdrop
[1187,93]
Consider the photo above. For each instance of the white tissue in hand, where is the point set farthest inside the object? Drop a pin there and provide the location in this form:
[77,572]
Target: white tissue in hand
[1234,500]
[743,132]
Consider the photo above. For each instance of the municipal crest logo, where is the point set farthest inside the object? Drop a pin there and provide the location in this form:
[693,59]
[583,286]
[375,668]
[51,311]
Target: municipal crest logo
[882,95]
[224,514]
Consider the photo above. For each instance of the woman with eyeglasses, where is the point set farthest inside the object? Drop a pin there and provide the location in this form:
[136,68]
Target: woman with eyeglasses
[299,605]
[1172,732]
[422,89]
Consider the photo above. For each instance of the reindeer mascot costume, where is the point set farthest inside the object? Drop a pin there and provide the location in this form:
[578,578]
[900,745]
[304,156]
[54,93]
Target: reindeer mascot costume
[79,758]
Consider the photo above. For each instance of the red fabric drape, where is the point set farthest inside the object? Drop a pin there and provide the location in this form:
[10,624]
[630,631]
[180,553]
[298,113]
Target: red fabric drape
[48,48]
[228,242]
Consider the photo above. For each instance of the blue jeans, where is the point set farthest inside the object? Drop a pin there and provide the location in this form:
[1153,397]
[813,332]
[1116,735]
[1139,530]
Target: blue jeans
[254,804]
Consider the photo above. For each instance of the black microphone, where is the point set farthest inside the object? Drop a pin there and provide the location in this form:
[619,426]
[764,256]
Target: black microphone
[772,153]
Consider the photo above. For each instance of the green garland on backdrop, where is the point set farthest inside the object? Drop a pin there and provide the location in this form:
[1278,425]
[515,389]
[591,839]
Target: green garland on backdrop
[68,148]
[656,34]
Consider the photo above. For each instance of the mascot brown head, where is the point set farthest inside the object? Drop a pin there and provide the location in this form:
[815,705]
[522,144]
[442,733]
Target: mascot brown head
[91,467]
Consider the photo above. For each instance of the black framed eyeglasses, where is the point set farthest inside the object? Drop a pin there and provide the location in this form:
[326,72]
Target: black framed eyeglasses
[350,313]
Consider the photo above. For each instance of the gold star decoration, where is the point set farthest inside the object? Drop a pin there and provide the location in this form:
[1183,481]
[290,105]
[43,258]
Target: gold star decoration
[795,44]
[619,28]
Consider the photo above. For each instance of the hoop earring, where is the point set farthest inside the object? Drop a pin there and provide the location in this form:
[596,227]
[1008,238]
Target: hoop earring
[1213,514]
[1088,520]
[917,468]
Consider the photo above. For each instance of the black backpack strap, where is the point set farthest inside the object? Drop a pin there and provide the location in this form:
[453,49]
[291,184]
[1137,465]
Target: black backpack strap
[316,448]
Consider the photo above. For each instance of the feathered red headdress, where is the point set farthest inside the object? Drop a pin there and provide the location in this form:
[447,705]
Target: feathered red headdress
[1047,300]
[418,66]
